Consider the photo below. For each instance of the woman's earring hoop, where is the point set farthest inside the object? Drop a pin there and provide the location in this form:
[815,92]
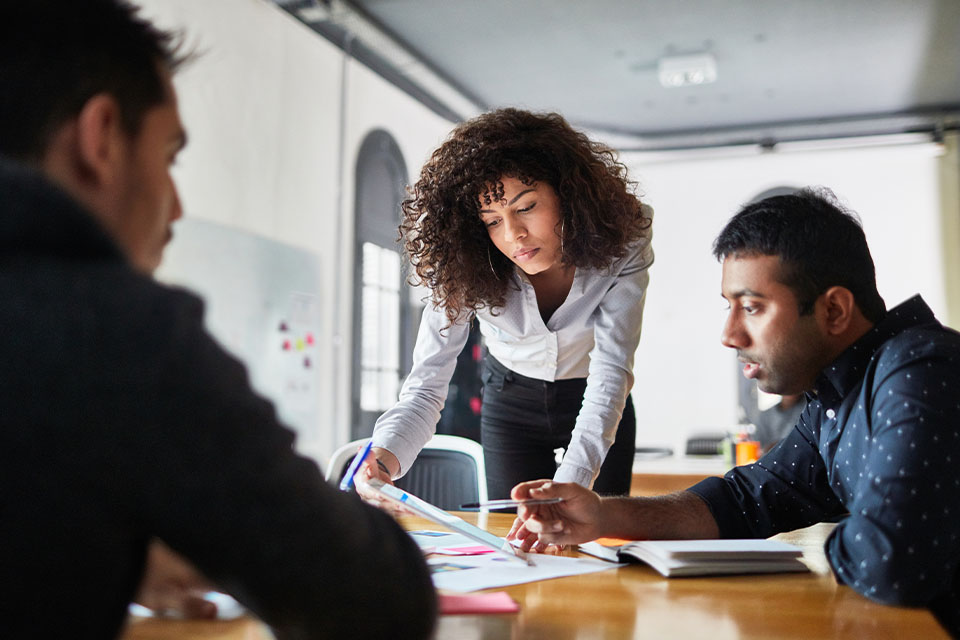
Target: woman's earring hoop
[561,239]
[490,262]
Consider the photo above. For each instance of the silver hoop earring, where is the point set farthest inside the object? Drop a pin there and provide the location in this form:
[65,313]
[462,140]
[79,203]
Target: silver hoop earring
[490,262]
[561,239]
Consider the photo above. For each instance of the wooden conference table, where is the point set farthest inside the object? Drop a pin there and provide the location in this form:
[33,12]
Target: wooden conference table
[636,602]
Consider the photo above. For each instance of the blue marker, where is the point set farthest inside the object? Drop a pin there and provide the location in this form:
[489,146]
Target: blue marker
[346,484]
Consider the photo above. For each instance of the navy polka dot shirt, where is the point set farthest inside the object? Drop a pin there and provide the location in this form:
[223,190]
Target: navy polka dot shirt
[879,446]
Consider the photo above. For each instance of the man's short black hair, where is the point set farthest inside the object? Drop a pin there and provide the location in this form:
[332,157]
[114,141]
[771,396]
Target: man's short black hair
[57,54]
[820,245]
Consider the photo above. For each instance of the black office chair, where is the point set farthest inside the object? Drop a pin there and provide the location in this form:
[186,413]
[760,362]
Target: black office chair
[448,472]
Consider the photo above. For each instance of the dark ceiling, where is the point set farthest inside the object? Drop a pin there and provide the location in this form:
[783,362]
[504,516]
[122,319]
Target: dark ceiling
[785,69]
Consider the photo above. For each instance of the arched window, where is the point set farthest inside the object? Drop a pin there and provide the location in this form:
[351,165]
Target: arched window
[383,326]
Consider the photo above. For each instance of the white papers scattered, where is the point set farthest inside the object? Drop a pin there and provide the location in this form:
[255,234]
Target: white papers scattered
[439,539]
[470,573]
[474,572]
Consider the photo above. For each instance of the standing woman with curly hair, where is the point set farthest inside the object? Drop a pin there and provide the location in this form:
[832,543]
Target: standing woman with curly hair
[524,224]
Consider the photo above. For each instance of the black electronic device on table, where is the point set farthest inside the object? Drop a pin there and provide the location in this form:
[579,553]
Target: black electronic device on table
[705,444]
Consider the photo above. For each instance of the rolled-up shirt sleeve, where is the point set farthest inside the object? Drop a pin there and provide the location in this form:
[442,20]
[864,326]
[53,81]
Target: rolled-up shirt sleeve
[617,323]
[406,427]
[786,489]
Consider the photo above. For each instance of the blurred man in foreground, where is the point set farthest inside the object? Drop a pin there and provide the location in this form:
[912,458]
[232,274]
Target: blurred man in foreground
[122,420]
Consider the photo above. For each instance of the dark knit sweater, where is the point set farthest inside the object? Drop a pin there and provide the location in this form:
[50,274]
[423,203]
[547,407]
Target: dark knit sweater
[121,419]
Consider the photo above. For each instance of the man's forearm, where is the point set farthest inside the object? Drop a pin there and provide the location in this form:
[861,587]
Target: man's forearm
[676,515]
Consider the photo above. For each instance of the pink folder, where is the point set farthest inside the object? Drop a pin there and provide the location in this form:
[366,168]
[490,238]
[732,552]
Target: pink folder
[498,602]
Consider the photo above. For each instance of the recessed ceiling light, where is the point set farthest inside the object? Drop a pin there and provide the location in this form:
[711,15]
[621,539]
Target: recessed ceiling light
[683,71]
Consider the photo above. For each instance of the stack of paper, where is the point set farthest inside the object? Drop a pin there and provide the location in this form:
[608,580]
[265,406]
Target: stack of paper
[712,557]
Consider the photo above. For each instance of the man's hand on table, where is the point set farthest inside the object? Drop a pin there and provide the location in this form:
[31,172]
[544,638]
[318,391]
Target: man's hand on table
[575,520]
[172,586]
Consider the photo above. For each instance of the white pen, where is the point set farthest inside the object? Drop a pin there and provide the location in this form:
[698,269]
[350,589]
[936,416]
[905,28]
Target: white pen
[504,504]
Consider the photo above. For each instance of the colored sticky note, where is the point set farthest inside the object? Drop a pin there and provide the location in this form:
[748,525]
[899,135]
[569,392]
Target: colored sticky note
[612,542]
[467,550]
[498,602]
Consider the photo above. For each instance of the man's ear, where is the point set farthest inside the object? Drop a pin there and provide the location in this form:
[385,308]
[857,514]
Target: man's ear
[839,307]
[99,141]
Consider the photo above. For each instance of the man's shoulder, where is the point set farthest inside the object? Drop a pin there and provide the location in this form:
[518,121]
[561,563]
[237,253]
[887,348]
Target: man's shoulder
[116,298]
[155,298]
[921,361]
[919,343]
[106,312]
[90,295]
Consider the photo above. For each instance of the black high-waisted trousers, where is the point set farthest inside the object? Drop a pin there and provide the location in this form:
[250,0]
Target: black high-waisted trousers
[524,420]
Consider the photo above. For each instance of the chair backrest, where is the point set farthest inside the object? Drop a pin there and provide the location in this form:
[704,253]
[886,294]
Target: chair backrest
[341,458]
[448,472]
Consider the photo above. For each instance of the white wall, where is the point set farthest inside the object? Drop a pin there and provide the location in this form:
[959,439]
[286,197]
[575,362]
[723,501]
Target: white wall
[685,379]
[374,104]
[262,106]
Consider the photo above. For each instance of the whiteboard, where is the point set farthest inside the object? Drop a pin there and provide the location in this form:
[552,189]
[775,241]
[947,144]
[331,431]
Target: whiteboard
[263,304]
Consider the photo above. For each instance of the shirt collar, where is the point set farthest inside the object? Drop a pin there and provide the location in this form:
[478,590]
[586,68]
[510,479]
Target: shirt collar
[844,373]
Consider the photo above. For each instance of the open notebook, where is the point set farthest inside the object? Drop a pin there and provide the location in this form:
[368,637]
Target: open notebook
[705,557]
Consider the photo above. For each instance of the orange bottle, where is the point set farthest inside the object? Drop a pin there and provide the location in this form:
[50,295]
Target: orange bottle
[748,452]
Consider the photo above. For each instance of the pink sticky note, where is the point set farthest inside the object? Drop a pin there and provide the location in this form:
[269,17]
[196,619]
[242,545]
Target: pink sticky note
[474,550]
[498,602]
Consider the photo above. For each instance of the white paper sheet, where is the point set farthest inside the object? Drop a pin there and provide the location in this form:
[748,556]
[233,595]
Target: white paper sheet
[470,573]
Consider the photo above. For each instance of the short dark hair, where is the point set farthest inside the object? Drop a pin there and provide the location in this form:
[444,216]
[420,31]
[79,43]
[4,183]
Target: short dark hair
[57,54]
[820,245]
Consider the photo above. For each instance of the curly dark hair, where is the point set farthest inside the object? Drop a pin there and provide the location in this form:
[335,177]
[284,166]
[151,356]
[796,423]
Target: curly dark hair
[444,237]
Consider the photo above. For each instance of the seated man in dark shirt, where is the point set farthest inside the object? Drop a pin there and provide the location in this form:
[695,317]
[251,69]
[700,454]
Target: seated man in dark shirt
[121,420]
[879,439]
